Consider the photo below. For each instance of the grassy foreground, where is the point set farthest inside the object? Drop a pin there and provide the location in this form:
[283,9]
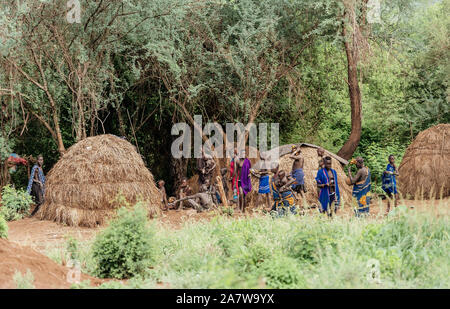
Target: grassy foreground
[409,249]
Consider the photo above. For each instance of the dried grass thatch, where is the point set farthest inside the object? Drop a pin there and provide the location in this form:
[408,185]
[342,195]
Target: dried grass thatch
[81,186]
[425,169]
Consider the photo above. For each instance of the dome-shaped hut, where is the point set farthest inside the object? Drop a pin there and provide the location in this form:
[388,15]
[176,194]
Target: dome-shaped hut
[425,169]
[82,186]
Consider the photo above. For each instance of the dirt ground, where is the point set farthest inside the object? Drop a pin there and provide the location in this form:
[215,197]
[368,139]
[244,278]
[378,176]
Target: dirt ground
[46,273]
[29,240]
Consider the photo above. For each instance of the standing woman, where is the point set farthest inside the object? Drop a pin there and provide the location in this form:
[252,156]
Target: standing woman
[36,184]
[390,182]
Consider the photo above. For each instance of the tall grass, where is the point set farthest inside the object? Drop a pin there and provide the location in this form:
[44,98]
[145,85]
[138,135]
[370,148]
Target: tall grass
[409,249]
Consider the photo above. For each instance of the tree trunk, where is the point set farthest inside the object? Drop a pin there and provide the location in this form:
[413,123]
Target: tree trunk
[178,172]
[121,123]
[352,143]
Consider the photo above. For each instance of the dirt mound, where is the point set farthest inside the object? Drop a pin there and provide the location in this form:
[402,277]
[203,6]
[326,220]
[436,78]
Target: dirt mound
[82,185]
[425,171]
[47,274]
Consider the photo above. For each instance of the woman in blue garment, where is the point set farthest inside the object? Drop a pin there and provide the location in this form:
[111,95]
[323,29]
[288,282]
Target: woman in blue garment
[36,184]
[390,182]
[361,187]
[327,182]
[283,197]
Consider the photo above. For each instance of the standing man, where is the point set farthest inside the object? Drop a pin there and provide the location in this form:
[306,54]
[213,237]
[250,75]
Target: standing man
[390,183]
[242,172]
[361,187]
[297,171]
[233,176]
[162,191]
[320,154]
[185,190]
[36,184]
[205,168]
[264,186]
[327,182]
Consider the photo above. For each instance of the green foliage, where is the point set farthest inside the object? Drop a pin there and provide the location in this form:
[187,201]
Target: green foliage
[227,210]
[308,252]
[282,272]
[24,281]
[15,203]
[306,245]
[5,148]
[3,227]
[125,247]
[376,157]
[72,248]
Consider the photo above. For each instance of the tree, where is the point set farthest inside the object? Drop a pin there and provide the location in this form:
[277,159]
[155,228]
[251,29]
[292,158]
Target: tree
[67,69]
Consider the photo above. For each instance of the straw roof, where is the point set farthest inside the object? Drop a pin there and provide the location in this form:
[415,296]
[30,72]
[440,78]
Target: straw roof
[82,185]
[425,169]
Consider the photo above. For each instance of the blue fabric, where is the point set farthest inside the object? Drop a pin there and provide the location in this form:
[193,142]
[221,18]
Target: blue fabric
[299,176]
[264,186]
[324,196]
[40,176]
[282,203]
[389,181]
[219,200]
[362,194]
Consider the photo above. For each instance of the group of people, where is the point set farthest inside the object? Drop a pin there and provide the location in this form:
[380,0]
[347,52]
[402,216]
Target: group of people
[280,191]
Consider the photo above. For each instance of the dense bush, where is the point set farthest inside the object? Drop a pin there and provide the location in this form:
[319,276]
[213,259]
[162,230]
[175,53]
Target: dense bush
[375,155]
[306,245]
[125,248]
[3,227]
[15,203]
[282,272]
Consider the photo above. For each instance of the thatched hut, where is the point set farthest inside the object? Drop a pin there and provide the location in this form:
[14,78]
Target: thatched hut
[425,169]
[82,185]
[310,168]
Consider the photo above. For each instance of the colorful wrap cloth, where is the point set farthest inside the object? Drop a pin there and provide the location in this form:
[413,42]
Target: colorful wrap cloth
[264,186]
[299,176]
[246,182]
[389,182]
[283,202]
[325,196]
[361,193]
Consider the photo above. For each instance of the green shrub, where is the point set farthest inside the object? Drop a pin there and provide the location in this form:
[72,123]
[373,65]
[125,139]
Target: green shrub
[3,228]
[376,158]
[307,244]
[282,272]
[72,248]
[125,247]
[15,203]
